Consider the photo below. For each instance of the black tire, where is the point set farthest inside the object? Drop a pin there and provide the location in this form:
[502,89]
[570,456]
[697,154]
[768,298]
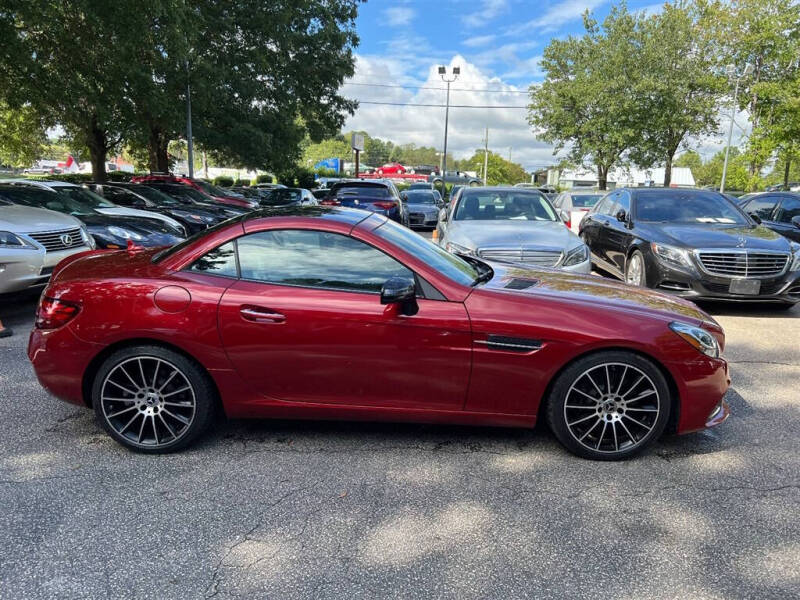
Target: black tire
[630,366]
[642,279]
[196,405]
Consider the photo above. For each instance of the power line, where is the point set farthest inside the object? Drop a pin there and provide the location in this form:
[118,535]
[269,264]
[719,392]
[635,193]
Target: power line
[436,105]
[441,89]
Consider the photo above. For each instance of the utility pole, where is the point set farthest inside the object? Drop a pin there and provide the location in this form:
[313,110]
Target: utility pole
[456,71]
[189,143]
[509,154]
[485,156]
[731,70]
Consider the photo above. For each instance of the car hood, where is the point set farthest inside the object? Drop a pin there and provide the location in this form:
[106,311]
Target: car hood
[144,226]
[511,234]
[716,236]
[592,290]
[26,219]
[135,212]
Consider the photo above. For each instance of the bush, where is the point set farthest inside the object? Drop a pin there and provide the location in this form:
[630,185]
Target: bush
[120,176]
[68,177]
[297,177]
[223,181]
[264,178]
[325,172]
[242,182]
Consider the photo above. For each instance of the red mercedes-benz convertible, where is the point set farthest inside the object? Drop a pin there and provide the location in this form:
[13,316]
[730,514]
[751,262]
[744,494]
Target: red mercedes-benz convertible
[331,313]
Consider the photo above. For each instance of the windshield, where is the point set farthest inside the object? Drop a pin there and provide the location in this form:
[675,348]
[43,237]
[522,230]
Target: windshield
[503,205]
[447,264]
[671,207]
[44,199]
[210,189]
[419,197]
[363,191]
[155,196]
[280,196]
[585,200]
[184,193]
[85,197]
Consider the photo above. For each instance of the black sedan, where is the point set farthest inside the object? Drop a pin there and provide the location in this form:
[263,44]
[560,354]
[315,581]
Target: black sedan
[780,211]
[693,243]
[109,231]
[281,197]
[189,195]
[136,195]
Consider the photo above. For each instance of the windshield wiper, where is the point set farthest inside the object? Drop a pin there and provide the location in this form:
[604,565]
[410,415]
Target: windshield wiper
[485,272]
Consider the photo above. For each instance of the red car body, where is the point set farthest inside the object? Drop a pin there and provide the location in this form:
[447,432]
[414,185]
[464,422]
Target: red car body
[391,169]
[221,198]
[343,355]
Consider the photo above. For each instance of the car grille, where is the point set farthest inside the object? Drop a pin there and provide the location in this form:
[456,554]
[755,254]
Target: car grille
[539,258]
[743,264]
[416,218]
[54,241]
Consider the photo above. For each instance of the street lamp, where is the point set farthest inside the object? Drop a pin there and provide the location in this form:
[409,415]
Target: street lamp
[731,71]
[456,71]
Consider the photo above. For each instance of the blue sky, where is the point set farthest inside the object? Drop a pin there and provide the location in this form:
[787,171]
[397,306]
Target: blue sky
[497,44]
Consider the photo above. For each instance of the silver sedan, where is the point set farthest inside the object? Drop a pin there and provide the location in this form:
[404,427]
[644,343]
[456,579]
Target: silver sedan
[511,225]
[32,242]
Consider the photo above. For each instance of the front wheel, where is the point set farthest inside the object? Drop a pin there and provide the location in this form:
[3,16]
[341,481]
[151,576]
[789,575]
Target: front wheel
[151,399]
[635,270]
[609,406]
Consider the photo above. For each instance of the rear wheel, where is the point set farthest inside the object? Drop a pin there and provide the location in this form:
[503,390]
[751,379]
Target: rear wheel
[152,400]
[609,406]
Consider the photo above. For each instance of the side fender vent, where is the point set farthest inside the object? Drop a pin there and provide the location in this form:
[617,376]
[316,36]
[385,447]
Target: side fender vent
[521,284]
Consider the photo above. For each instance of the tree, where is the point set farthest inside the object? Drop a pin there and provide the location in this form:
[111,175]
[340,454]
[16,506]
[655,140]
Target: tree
[677,86]
[586,103]
[329,148]
[500,171]
[22,136]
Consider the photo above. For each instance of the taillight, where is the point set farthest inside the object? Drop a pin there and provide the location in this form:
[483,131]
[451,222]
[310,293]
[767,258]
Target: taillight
[53,313]
[329,202]
[568,223]
[385,205]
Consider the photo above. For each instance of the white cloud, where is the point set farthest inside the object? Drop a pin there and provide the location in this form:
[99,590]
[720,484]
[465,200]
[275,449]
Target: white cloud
[480,40]
[424,126]
[398,16]
[555,16]
[489,10]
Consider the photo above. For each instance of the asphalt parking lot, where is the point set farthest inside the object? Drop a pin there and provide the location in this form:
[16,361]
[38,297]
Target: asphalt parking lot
[334,510]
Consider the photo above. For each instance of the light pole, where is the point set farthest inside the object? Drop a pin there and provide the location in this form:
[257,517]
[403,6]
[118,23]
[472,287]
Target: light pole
[456,71]
[189,144]
[731,71]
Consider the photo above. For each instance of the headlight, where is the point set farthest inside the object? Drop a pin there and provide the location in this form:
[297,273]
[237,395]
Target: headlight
[88,239]
[670,254]
[701,339]
[123,233]
[796,258]
[9,240]
[457,249]
[577,256]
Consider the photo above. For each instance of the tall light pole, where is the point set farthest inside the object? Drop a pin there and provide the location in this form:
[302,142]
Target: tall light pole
[189,143]
[456,71]
[731,71]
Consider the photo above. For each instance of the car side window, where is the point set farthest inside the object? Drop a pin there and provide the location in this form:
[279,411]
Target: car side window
[558,201]
[612,206]
[623,202]
[762,206]
[219,261]
[316,259]
[790,208]
[602,206]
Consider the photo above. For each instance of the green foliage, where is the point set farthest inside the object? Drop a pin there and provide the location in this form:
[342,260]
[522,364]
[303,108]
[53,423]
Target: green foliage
[294,176]
[223,181]
[242,182]
[335,147]
[500,171]
[22,135]
[326,172]
[264,178]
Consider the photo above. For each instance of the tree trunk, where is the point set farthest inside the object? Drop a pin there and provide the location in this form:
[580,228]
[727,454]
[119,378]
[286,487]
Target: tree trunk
[602,177]
[668,171]
[786,170]
[98,150]
[157,150]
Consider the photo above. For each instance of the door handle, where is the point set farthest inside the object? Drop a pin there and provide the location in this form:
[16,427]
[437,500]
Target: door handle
[261,315]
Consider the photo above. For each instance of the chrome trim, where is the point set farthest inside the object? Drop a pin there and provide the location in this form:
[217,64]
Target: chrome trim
[518,254]
[746,252]
[515,346]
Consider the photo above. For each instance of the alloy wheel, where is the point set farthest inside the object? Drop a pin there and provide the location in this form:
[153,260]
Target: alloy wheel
[612,407]
[149,401]
[635,273]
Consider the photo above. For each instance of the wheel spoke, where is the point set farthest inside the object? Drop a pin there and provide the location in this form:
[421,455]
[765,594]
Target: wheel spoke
[176,417]
[167,381]
[589,377]
[141,429]
[122,387]
[172,433]
[633,387]
[128,424]
[588,431]
[621,380]
[155,375]
[136,385]
[592,398]
[121,412]
[642,409]
[602,433]
[630,435]
[641,396]
[566,406]
[183,389]
[638,422]
[614,431]
[141,372]
[608,381]
[155,432]
[582,420]
[110,399]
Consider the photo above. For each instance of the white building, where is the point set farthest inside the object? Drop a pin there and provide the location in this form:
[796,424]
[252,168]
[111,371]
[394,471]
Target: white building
[620,177]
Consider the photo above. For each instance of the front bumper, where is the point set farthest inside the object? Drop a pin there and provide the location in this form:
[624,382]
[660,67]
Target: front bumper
[26,268]
[417,220]
[694,284]
[702,383]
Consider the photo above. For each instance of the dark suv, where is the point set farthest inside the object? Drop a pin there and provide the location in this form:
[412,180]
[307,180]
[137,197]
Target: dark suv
[780,211]
[376,195]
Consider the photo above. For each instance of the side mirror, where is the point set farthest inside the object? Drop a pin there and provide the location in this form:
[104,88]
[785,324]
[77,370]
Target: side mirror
[403,291]
[796,221]
[755,218]
[404,197]
[564,216]
[621,215]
